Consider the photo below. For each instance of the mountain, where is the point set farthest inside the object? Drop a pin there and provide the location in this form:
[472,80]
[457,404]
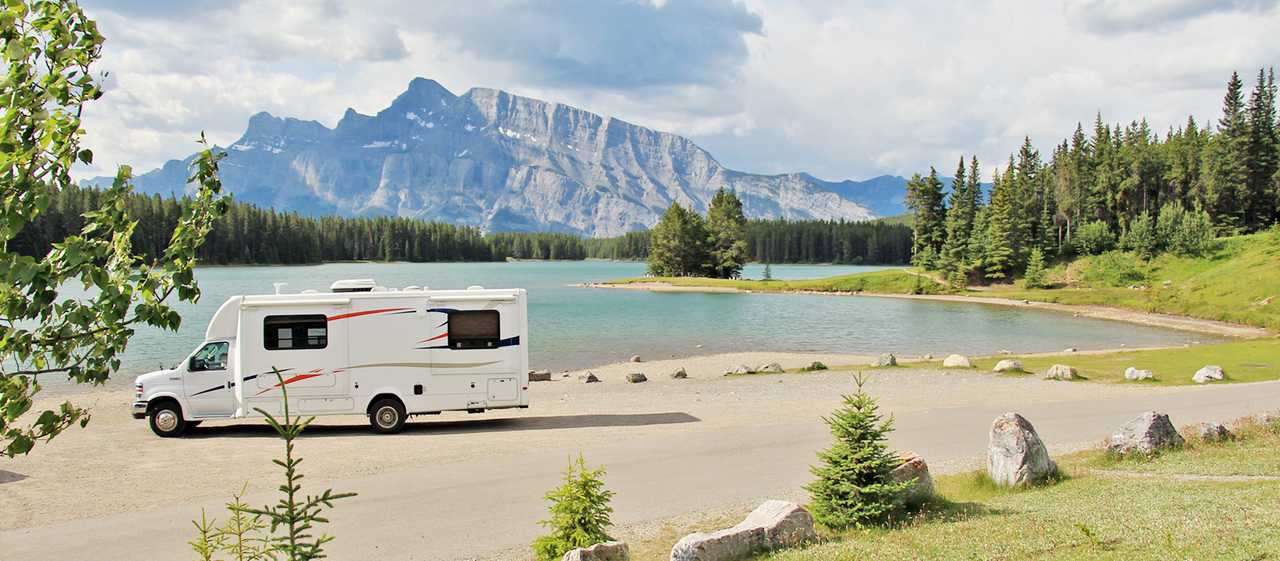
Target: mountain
[505,163]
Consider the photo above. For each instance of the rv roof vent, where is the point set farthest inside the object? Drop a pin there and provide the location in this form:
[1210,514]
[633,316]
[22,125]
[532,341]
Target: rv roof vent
[353,285]
[475,287]
[412,288]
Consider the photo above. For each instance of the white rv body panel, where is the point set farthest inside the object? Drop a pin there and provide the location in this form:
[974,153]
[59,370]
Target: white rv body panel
[338,352]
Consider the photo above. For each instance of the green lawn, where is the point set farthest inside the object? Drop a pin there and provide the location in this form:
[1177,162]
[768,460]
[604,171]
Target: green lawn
[1090,515]
[1253,360]
[1237,282]
[1253,452]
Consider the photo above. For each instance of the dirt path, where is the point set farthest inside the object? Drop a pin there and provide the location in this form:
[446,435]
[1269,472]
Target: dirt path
[467,487]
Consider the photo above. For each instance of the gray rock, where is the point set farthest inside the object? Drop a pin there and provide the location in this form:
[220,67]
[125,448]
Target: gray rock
[503,162]
[539,375]
[741,369]
[914,466]
[927,356]
[679,374]
[1210,373]
[636,377]
[1146,434]
[635,358]
[1061,372]
[1015,454]
[1213,432]
[771,367]
[1267,419]
[1069,350]
[589,377]
[1008,365]
[607,551]
[886,359]
[772,525]
[1133,374]
[956,361]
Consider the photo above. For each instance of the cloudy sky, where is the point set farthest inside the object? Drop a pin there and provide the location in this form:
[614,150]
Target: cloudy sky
[842,89]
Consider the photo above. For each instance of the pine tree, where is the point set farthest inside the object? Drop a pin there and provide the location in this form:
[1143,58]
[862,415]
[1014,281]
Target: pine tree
[1263,154]
[854,486]
[999,248]
[579,511]
[1227,161]
[925,198]
[678,245]
[959,226]
[1034,277]
[727,227]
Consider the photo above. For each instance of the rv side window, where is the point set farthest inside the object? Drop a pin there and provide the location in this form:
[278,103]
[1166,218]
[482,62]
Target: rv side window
[295,332]
[476,329]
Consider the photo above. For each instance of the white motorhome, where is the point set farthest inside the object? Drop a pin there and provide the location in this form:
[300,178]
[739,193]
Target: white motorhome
[358,349]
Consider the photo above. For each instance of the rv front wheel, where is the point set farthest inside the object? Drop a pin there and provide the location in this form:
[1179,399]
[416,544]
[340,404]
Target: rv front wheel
[387,416]
[166,419]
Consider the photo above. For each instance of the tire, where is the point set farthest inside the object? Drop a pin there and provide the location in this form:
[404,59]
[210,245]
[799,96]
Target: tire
[166,419]
[387,416]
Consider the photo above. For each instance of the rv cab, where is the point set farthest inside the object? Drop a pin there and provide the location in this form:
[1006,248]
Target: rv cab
[356,349]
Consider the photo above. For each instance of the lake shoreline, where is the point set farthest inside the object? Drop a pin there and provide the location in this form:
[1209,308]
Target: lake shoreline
[1150,319]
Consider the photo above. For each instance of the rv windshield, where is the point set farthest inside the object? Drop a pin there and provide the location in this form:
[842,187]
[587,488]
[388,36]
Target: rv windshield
[212,356]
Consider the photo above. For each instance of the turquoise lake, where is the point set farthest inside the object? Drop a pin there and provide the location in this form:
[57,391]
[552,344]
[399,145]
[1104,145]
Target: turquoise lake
[574,327]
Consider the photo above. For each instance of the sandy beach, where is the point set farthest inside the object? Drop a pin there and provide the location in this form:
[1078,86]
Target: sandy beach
[676,450]
[1167,321]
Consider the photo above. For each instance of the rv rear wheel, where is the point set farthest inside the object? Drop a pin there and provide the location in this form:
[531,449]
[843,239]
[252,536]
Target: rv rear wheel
[166,419]
[387,416]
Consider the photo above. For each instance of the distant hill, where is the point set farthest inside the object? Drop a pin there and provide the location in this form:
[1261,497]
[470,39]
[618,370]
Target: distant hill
[504,162]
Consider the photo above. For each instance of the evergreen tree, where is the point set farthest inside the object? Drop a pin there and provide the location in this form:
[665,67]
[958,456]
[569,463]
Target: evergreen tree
[1000,246]
[959,226]
[1227,161]
[854,485]
[1034,276]
[727,227]
[579,511]
[1263,154]
[925,199]
[678,245]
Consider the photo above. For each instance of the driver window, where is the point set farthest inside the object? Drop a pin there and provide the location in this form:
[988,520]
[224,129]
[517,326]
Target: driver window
[210,357]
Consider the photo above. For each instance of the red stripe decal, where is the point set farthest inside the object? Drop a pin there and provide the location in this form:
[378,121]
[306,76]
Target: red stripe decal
[366,312]
[440,336]
[291,380]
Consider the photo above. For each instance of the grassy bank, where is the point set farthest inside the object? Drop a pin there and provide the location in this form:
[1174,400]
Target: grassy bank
[1254,360]
[891,281]
[1093,514]
[1237,282]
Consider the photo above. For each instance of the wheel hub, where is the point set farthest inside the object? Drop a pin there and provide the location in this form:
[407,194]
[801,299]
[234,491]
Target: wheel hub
[387,417]
[166,420]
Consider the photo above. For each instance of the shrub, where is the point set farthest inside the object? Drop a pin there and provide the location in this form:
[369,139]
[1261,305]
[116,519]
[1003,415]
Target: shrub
[814,366]
[1141,237]
[1186,232]
[579,512]
[1094,238]
[855,486]
[1035,276]
[1113,268]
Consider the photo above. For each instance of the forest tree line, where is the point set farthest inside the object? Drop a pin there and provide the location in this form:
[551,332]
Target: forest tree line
[1112,188]
[248,234]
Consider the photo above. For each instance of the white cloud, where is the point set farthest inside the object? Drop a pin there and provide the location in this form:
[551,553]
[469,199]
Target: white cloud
[843,90]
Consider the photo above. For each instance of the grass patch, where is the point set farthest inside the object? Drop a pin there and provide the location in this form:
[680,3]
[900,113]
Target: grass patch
[1253,360]
[1253,451]
[891,281]
[1238,281]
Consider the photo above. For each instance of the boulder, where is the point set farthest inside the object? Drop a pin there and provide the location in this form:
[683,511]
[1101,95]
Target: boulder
[886,359]
[1069,350]
[1147,434]
[1210,373]
[635,358]
[927,356]
[956,361]
[1015,454]
[740,369]
[1213,432]
[813,366]
[1133,374]
[772,525]
[589,377]
[636,377]
[771,367]
[1061,372]
[913,466]
[1268,419]
[607,551]
[679,374]
[539,375]
[1008,365]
